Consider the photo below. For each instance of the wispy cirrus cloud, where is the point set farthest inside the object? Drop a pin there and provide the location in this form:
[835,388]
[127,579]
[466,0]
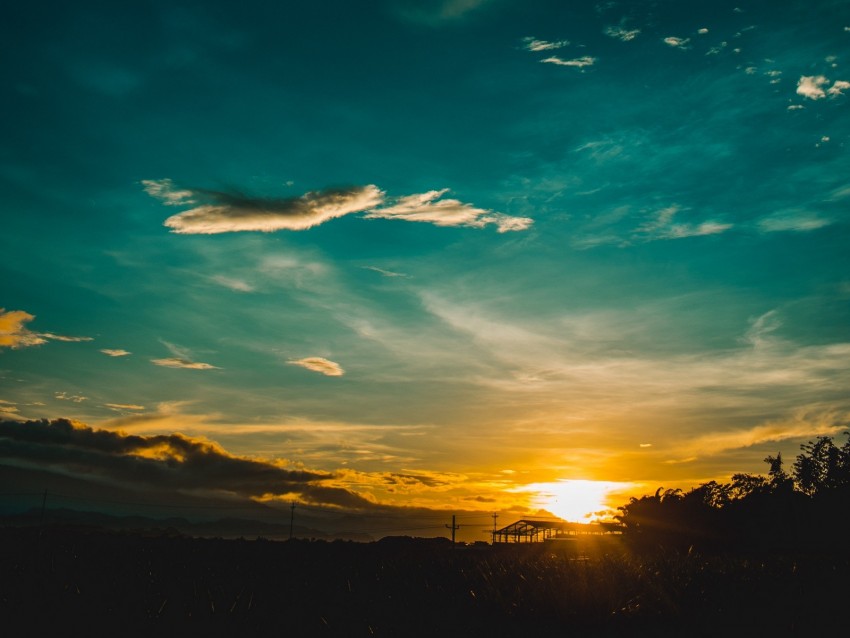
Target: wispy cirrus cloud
[663,226]
[804,423]
[14,334]
[430,207]
[578,63]
[621,33]
[233,283]
[221,212]
[384,272]
[115,352]
[319,364]
[436,12]
[531,43]
[800,221]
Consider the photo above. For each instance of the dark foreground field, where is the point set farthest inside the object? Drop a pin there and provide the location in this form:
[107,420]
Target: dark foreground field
[99,583]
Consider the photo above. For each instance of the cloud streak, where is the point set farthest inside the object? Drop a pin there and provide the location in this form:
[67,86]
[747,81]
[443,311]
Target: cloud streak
[430,207]
[319,364]
[110,352]
[620,33]
[533,44]
[579,63]
[216,212]
[185,364]
[181,360]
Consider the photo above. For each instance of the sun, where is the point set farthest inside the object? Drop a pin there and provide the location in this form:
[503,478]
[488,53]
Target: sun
[579,501]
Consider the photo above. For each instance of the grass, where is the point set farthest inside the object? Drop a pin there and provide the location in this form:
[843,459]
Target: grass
[103,583]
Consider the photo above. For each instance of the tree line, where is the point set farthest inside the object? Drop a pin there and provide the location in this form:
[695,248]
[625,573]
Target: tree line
[802,509]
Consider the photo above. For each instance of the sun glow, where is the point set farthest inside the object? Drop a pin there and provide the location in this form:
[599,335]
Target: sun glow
[579,501]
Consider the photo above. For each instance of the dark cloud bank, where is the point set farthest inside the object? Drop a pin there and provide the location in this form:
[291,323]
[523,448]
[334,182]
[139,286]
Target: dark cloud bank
[161,477]
[160,464]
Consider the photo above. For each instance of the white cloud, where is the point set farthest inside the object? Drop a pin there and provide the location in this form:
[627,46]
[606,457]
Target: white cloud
[620,33]
[809,86]
[838,87]
[577,62]
[428,207]
[796,107]
[229,212]
[681,43]
[221,212]
[177,362]
[702,31]
[165,191]
[14,335]
[319,364]
[115,352]
[533,44]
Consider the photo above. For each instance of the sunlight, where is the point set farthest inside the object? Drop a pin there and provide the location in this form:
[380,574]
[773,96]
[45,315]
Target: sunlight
[579,501]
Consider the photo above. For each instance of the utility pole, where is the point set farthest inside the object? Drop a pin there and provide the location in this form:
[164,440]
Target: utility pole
[495,516]
[291,518]
[454,528]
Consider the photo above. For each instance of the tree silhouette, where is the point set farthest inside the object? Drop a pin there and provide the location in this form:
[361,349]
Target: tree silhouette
[774,512]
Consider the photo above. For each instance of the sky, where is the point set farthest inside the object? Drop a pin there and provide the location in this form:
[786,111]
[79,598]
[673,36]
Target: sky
[478,255]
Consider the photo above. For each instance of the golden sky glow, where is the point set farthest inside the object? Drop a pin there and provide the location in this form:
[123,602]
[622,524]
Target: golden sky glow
[532,255]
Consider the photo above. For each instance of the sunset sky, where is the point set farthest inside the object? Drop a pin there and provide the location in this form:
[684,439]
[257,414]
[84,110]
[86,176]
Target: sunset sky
[448,254]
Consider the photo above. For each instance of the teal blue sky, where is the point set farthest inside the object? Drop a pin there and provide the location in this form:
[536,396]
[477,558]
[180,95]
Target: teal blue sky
[485,245]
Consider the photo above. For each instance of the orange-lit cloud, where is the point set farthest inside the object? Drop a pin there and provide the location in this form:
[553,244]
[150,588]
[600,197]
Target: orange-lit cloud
[185,364]
[319,364]
[181,359]
[115,352]
[13,333]
[802,424]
